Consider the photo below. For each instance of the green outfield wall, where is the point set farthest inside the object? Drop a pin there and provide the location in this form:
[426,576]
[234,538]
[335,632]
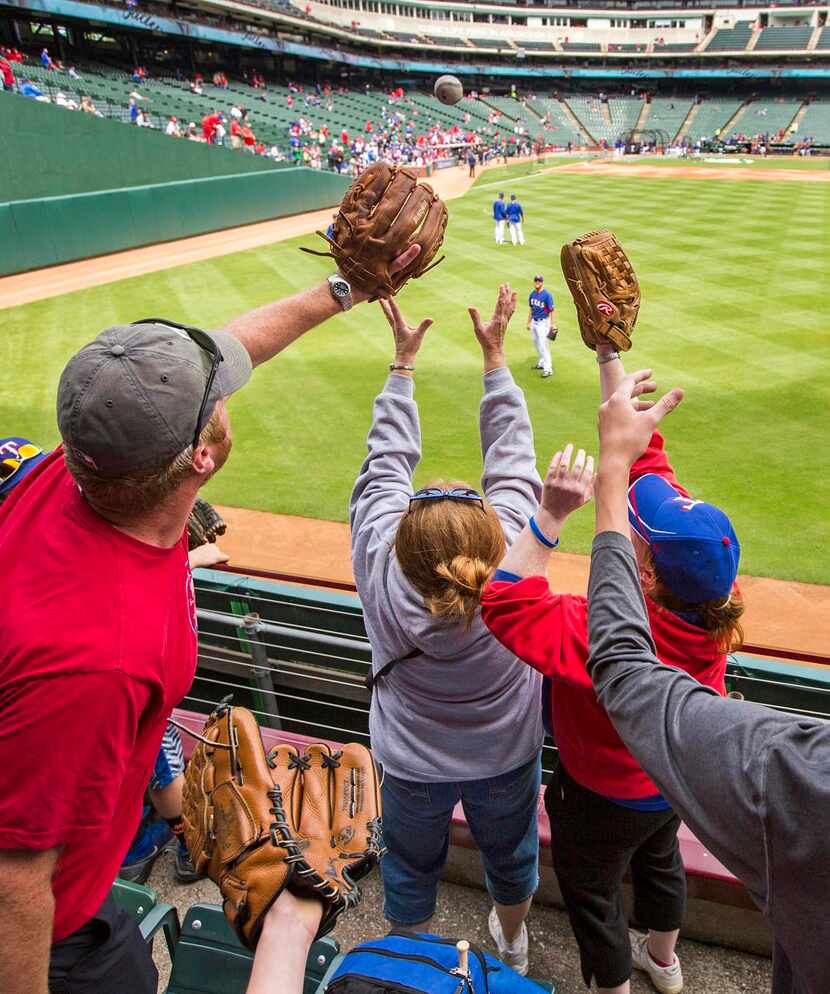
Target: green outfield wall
[49,151]
[51,230]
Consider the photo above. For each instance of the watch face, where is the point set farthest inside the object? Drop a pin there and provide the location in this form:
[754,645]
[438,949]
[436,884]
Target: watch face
[340,288]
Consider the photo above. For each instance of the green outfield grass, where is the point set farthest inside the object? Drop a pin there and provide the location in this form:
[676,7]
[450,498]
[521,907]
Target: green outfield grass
[735,310]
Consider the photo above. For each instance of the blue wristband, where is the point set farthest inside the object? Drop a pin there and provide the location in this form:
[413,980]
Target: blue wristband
[537,531]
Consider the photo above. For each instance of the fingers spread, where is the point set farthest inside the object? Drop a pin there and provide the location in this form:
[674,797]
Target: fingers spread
[422,327]
[665,405]
[565,461]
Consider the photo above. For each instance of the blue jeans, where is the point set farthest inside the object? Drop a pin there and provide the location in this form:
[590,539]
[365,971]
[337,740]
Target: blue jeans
[502,814]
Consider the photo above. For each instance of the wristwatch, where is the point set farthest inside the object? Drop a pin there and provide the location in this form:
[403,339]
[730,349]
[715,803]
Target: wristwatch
[341,291]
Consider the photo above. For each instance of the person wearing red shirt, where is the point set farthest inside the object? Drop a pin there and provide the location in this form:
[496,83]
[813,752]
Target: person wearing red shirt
[344,137]
[6,74]
[606,814]
[98,625]
[209,124]
[248,138]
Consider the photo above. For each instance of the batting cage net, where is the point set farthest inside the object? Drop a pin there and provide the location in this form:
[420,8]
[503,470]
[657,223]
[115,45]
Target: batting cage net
[647,136]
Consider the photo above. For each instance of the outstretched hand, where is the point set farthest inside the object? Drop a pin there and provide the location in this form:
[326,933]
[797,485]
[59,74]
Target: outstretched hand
[566,487]
[407,339]
[490,336]
[626,423]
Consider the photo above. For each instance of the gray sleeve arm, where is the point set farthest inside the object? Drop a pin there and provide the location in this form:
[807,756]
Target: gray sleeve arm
[510,480]
[384,484]
[706,754]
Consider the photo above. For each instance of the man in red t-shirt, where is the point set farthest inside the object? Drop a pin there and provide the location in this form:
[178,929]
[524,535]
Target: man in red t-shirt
[209,124]
[98,625]
[6,74]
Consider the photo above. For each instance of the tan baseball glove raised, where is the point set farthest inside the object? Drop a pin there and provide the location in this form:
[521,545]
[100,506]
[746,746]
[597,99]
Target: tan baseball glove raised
[604,287]
[384,212]
[257,823]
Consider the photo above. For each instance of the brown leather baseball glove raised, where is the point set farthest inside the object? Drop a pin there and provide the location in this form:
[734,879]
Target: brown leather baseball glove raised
[257,823]
[384,212]
[604,287]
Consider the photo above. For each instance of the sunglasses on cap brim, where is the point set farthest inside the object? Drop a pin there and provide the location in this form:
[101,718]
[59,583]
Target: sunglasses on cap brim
[207,344]
[461,494]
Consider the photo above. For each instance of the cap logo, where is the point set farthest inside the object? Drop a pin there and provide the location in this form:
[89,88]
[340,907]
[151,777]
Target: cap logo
[605,308]
[686,503]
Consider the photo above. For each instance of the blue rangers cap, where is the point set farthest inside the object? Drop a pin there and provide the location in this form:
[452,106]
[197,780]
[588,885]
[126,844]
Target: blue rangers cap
[694,545]
[18,457]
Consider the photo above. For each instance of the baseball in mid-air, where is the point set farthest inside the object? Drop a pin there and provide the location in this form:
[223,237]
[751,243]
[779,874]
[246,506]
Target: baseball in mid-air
[448,89]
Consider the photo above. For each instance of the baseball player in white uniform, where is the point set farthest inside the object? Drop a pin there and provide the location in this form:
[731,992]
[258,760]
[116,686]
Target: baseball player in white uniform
[541,321]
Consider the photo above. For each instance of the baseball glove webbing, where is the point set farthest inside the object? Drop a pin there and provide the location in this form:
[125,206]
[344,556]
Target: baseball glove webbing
[259,822]
[384,212]
[604,288]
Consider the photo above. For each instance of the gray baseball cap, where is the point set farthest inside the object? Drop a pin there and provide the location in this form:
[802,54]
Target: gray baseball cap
[128,401]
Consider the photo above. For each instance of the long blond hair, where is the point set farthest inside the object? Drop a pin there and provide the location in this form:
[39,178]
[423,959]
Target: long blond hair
[448,551]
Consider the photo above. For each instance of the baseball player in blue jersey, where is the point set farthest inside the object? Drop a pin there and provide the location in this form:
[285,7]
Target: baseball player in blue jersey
[541,322]
[500,216]
[515,217]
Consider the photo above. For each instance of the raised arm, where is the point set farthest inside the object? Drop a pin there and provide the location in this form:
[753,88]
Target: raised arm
[267,330]
[510,480]
[384,485]
[698,747]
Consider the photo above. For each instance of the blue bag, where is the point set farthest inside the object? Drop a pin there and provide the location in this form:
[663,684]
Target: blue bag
[419,963]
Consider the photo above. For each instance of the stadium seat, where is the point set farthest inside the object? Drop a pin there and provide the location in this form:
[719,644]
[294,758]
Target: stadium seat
[211,960]
[141,903]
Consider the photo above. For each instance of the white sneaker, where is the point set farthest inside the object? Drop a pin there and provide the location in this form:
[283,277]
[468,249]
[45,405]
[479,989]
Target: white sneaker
[513,954]
[667,979]
[546,373]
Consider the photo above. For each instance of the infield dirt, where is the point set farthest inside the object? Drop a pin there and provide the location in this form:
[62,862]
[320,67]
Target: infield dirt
[779,613]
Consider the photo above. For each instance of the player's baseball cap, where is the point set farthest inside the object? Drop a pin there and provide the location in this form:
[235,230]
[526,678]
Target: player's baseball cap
[538,279]
[128,402]
[694,545]
[18,457]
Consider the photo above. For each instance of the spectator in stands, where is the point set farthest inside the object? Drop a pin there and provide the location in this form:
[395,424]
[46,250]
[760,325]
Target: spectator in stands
[236,133]
[606,815]
[144,119]
[80,678]
[770,827]
[132,108]
[248,138]
[72,73]
[165,795]
[28,89]
[45,59]
[62,100]
[6,73]
[209,124]
[173,129]
[454,716]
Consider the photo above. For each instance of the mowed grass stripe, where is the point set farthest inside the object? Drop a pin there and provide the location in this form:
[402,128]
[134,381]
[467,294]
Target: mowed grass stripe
[734,309]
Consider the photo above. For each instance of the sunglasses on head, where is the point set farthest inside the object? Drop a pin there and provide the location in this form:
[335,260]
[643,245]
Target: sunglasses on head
[205,342]
[456,493]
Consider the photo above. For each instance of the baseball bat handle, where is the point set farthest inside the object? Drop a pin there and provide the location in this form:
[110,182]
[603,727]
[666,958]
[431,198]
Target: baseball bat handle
[463,948]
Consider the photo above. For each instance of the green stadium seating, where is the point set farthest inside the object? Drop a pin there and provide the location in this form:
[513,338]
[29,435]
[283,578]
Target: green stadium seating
[815,124]
[561,129]
[581,46]
[766,117]
[141,903]
[667,114]
[210,959]
[711,115]
[529,122]
[824,39]
[731,39]
[783,38]
[623,113]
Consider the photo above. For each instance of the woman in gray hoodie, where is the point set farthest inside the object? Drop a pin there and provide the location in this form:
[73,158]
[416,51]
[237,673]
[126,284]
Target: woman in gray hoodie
[456,717]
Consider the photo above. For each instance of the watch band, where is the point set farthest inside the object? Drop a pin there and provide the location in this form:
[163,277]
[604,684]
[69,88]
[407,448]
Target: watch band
[610,357]
[396,365]
[345,300]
